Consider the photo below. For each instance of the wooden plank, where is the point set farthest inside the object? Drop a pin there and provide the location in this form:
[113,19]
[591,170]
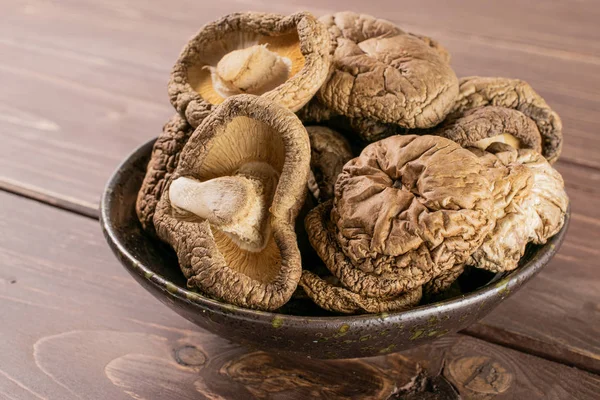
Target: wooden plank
[107,65]
[556,314]
[564,28]
[77,326]
[110,78]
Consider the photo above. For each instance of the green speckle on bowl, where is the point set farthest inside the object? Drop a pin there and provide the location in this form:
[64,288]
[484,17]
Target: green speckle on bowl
[383,315]
[171,288]
[277,322]
[505,291]
[342,331]
[432,320]
[387,349]
[148,274]
[432,333]
[442,332]
[363,338]
[416,334]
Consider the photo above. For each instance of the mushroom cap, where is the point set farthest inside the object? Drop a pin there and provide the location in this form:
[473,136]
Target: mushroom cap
[476,91]
[243,132]
[482,126]
[336,298]
[329,152]
[284,58]
[530,207]
[406,210]
[382,73]
[366,129]
[444,280]
[163,161]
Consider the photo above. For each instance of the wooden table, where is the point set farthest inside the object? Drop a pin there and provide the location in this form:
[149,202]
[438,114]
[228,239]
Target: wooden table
[83,82]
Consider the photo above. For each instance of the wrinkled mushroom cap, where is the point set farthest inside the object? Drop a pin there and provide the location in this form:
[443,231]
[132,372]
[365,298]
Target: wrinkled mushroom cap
[250,151]
[531,204]
[284,58]
[382,73]
[366,129]
[406,210]
[329,152]
[163,161]
[476,91]
[333,297]
[482,126]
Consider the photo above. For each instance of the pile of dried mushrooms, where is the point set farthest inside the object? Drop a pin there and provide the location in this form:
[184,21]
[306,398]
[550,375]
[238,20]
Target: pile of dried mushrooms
[407,175]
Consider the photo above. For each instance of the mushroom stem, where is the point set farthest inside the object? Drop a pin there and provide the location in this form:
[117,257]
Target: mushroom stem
[252,70]
[235,205]
[502,138]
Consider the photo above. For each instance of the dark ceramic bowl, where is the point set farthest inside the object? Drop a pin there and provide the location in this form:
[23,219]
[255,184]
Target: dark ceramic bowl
[311,333]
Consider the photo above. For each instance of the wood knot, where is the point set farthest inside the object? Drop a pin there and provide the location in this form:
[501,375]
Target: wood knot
[480,374]
[190,356]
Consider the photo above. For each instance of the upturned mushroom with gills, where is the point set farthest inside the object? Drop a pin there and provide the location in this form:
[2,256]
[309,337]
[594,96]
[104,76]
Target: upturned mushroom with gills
[495,109]
[229,209]
[284,58]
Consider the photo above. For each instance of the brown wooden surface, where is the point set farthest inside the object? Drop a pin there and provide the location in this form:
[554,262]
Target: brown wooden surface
[106,338]
[84,82]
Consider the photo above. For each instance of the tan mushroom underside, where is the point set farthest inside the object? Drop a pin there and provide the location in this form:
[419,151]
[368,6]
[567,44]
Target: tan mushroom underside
[283,58]
[256,65]
[245,139]
[246,143]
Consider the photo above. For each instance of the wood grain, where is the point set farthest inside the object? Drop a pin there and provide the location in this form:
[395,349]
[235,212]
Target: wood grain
[76,326]
[557,315]
[108,64]
[84,82]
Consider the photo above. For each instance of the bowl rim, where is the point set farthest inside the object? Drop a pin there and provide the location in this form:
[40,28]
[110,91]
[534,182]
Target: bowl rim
[492,289]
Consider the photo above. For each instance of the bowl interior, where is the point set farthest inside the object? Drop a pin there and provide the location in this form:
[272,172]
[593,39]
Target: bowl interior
[161,260]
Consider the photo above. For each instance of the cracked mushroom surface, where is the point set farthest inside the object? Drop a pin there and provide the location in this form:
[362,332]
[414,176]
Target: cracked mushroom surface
[482,126]
[284,58]
[365,129]
[406,210]
[333,297]
[329,152]
[230,206]
[163,161]
[476,91]
[384,74]
[530,206]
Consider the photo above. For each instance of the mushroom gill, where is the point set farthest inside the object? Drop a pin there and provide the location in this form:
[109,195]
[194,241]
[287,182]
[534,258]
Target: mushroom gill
[256,65]
[284,58]
[230,208]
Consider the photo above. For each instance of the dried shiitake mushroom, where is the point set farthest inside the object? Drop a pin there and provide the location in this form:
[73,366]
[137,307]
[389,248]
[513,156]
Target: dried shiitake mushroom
[329,152]
[482,126]
[531,204]
[405,211]
[476,92]
[366,129]
[384,74]
[284,58]
[332,296]
[230,206]
[163,161]
[443,281]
